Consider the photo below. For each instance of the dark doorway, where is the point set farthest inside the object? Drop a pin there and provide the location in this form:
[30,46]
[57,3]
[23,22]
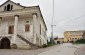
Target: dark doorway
[5,43]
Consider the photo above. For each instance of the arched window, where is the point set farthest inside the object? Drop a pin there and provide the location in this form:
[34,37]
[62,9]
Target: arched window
[5,8]
[11,7]
[8,7]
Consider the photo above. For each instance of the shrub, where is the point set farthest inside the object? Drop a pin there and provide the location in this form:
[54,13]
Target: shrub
[44,45]
[81,41]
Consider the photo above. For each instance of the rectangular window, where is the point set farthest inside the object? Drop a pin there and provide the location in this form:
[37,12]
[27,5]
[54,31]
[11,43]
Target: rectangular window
[11,30]
[40,29]
[27,27]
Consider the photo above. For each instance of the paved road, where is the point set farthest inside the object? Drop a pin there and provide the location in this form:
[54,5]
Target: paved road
[80,51]
[24,52]
[63,49]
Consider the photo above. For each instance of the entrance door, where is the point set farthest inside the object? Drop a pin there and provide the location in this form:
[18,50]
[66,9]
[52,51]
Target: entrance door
[5,43]
[11,29]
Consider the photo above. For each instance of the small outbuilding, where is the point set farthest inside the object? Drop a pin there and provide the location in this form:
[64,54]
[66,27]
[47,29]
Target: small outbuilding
[58,40]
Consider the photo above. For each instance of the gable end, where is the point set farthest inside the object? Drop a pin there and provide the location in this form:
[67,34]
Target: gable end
[10,5]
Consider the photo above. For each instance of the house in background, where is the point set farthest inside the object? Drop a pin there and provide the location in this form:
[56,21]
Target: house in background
[20,26]
[58,40]
[84,35]
[73,35]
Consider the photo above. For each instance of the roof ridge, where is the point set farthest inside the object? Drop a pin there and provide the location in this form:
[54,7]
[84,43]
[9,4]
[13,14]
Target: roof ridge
[12,2]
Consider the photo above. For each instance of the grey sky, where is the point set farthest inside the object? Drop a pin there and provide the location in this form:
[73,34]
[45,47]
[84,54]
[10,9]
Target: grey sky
[68,15]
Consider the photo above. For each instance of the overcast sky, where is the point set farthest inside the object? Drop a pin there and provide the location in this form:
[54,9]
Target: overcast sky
[68,14]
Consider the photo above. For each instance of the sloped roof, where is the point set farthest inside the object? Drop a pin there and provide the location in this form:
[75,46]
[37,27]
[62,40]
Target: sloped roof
[25,7]
[13,3]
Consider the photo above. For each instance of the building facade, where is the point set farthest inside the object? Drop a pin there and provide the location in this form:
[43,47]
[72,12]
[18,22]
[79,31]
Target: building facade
[20,26]
[73,35]
[84,35]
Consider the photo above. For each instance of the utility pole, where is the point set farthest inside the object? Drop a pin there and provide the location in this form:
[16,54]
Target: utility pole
[52,39]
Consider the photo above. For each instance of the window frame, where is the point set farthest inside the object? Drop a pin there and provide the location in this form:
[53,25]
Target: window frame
[27,27]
